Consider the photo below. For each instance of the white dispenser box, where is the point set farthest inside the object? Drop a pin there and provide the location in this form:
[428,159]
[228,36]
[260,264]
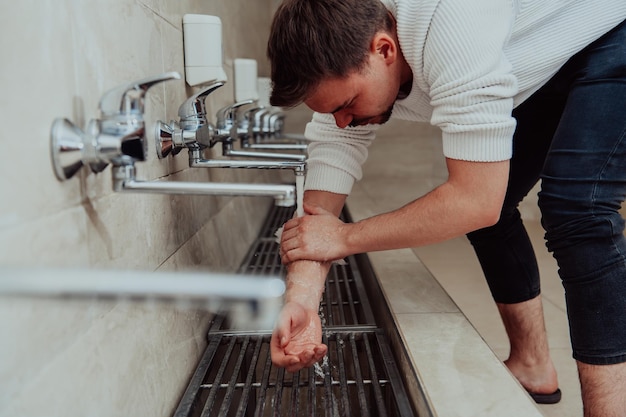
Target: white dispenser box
[202,38]
[264,87]
[246,79]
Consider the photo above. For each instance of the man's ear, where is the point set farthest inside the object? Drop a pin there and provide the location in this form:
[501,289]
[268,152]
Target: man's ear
[385,45]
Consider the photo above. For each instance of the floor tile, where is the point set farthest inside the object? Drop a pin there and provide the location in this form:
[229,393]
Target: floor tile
[459,368]
[405,162]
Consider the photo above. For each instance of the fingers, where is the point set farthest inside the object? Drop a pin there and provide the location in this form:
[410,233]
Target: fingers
[289,244]
[320,351]
[300,253]
[296,253]
[282,331]
[295,341]
[288,255]
[278,343]
[296,362]
[311,356]
[280,359]
[291,224]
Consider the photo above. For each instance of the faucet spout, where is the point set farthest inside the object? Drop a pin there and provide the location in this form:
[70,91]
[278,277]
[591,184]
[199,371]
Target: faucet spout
[229,151]
[277,145]
[252,301]
[195,161]
[194,107]
[124,181]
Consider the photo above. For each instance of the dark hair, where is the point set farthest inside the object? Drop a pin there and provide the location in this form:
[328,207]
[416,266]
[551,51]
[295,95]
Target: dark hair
[311,40]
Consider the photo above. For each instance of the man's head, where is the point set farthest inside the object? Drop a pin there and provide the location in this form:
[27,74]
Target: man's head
[316,40]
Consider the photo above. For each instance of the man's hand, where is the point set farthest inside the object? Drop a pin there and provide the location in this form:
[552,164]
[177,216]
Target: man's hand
[297,339]
[317,236]
[469,200]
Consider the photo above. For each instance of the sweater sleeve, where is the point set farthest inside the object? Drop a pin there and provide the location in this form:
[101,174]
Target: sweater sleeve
[470,81]
[335,154]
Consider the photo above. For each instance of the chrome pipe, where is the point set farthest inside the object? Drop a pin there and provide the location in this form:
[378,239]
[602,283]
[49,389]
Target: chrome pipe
[253,301]
[277,146]
[268,155]
[51,282]
[195,161]
[124,181]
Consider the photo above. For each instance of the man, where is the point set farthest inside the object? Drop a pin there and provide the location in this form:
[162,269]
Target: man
[522,91]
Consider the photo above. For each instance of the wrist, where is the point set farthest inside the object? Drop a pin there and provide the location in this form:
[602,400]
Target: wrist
[352,241]
[303,296]
[305,283]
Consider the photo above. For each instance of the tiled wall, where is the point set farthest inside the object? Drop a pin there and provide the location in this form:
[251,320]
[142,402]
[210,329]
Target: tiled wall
[96,358]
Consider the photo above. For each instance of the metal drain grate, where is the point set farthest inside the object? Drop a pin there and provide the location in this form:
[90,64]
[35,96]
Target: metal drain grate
[359,376]
[344,302]
[236,378]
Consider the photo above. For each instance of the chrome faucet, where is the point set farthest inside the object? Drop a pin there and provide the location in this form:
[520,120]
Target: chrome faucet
[276,121]
[196,161]
[193,128]
[253,302]
[195,133]
[229,129]
[117,137]
[226,130]
[124,181]
[265,127]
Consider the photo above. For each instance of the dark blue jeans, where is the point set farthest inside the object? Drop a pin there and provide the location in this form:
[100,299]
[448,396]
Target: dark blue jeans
[571,135]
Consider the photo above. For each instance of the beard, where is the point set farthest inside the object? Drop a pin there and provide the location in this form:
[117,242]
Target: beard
[375,120]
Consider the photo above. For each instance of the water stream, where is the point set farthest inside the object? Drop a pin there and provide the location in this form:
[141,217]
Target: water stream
[299,195]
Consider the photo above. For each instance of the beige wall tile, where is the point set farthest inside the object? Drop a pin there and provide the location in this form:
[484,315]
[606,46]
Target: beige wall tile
[59,58]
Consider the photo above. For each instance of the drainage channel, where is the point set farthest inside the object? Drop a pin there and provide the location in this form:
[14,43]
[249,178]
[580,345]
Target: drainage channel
[358,376]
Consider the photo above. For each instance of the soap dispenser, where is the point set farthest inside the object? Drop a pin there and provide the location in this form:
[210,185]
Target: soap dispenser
[202,39]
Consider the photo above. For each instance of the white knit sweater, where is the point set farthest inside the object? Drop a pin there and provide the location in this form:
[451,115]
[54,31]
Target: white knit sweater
[472,62]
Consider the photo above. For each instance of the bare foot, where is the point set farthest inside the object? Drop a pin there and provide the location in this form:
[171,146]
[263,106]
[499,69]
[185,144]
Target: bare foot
[536,378]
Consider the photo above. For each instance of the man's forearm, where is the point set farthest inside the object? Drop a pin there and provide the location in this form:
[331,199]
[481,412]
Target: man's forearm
[470,199]
[305,279]
[305,283]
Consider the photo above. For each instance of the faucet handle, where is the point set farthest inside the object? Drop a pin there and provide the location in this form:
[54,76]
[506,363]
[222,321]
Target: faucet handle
[259,120]
[276,122]
[128,99]
[226,116]
[246,119]
[194,106]
[118,138]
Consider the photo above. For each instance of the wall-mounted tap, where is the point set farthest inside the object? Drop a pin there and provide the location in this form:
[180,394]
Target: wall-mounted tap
[193,127]
[253,302]
[228,132]
[276,122]
[265,131]
[227,128]
[259,117]
[196,161]
[251,140]
[195,133]
[116,137]
[124,181]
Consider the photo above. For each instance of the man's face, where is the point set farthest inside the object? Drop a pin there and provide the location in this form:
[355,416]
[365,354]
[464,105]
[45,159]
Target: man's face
[362,98]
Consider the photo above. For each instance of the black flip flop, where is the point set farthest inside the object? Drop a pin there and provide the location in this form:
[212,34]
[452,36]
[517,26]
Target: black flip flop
[553,398]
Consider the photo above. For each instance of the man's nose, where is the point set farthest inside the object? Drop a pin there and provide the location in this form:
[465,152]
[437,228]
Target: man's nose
[342,119]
